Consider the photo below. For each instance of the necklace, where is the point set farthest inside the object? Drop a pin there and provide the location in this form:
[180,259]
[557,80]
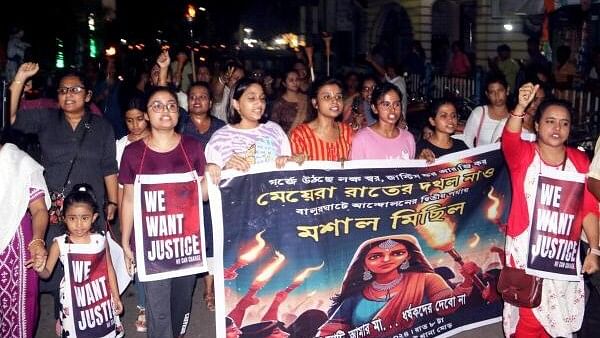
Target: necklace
[386,286]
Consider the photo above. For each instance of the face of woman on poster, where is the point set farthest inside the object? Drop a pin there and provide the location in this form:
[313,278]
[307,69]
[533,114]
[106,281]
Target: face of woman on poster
[553,126]
[329,101]
[232,332]
[387,259]
[278,333]
[163,111]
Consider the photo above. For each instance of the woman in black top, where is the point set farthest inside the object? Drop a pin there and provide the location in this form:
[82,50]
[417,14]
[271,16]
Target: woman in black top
[69,135]
[443,119]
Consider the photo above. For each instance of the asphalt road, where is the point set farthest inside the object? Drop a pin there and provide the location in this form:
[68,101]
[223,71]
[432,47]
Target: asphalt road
[202,323]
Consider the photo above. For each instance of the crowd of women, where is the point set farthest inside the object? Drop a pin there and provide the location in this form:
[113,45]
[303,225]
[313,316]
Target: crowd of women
[85,180]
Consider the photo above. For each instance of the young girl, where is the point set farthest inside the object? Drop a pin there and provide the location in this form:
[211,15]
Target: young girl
[384,140]
[444,119]
[138,129]
[246,140]
[323,138]
[86,259]
[137,125]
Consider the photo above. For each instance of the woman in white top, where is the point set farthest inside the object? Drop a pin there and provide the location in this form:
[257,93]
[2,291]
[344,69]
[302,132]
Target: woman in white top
[246,140]
[484,120]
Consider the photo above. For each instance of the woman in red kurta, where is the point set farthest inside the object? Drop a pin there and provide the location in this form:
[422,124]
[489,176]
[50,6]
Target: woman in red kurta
[561,310]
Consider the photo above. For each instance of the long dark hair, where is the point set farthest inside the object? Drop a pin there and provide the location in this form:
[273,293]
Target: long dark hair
[233,116]
[314,92]
[353,282]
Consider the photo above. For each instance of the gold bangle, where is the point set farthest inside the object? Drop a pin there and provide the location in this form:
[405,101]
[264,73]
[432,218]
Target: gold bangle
[36,240]
[17,81]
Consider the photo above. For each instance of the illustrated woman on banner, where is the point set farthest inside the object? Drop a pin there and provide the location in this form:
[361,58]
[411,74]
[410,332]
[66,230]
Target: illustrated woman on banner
[387,276]
[162,204]
[561,310]
[89,296]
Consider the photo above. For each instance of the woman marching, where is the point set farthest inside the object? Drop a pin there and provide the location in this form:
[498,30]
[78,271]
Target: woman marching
[561,310]
[246,140]
[384,139]
[323,138]
[163,151]
[24,214]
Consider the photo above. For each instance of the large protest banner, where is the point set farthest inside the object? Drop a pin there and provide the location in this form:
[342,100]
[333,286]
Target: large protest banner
[373,249]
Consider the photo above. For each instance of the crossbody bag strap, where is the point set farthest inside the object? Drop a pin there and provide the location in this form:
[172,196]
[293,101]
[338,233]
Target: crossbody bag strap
[480,125]
[87,125]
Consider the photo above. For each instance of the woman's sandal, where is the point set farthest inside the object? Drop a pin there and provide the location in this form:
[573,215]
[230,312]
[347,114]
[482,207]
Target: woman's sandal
[209,299]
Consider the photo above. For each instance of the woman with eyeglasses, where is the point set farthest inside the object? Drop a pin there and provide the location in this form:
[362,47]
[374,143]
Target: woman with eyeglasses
[384,140]
[76,147]
[359,114]
[163,151]
[323,137]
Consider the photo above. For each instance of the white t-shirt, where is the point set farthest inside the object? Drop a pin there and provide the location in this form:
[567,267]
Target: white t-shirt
[258,145]
[485,135]
[219,109]
[121,144]
[526,135]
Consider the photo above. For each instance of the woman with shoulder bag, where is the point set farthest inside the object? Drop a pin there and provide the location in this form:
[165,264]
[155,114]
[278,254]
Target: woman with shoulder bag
[561,309]
[76,145]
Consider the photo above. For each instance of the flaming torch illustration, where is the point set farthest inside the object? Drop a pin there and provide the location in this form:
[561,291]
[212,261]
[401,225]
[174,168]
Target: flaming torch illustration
[246,258]
[249,299]
[493,212]
[440,236]
[302,276]
[281,296]
[267,273]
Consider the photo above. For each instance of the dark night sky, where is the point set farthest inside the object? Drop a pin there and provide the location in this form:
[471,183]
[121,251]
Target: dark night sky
[139,20]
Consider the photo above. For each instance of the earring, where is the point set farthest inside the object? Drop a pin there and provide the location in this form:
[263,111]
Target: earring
[367,275]
[405,265]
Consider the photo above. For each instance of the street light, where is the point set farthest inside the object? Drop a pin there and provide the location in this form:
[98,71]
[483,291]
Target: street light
[190,15]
